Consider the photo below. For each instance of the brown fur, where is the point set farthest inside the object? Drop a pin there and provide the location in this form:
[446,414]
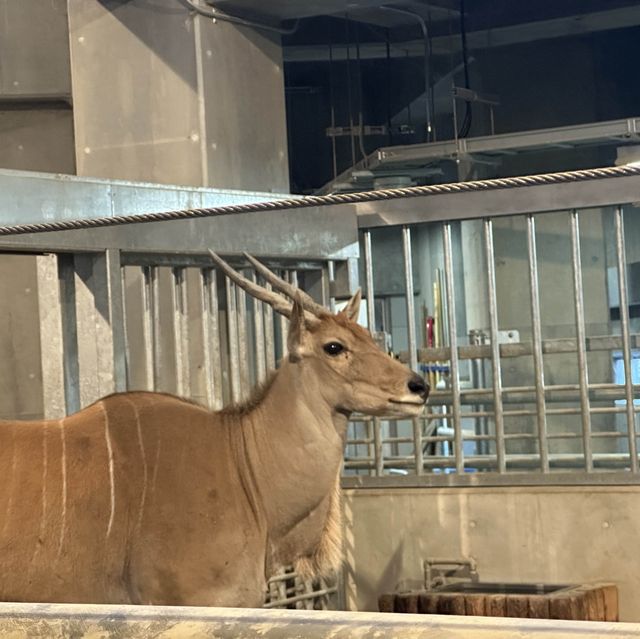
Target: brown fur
[148,498]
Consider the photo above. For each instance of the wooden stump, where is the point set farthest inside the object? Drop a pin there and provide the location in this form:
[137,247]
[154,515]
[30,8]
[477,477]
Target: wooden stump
[597,602]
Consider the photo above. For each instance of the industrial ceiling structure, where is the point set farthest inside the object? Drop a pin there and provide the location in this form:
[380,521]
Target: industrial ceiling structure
[392,92]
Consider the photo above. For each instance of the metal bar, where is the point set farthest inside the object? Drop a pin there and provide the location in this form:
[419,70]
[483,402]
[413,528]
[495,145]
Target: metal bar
[537,198]
[530,461]
[578,299]
[232,333]
[211,338]
[618,477]
[148,281]
[243,345]
[522,349]
[624,326]
[270,349]
[411,332]
[330,274]
[307,596]
[368,265]
[100,326]
[377,446]
[496,368]
[51,336]
[283,322]
[66,274]
[538,361]
[117,318]
[453,343]
[259,337]
[180,331]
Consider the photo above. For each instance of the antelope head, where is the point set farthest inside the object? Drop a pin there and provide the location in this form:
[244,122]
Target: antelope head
[335,353]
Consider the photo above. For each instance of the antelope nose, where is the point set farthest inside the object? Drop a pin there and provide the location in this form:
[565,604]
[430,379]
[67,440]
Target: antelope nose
[418,386]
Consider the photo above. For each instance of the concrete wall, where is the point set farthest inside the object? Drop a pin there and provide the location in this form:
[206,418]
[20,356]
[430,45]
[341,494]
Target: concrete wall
[528,534]
[164,96]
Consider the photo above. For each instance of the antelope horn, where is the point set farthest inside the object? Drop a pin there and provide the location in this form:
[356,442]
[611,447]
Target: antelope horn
[283,286]
[276,301]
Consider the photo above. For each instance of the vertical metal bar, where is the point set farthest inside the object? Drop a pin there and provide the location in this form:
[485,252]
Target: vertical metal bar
[211,338]
[270,349]
[626,342]
[331,278]
[205,315]
[411,332]
[283,322]
[243,346]
[410,307]
[456,408]
[147,280]
[368,266]
[66,274]
[180,330]
[100,324]
[585,408]
[258,326]
[496,367]
[120,351]
[232,332]
[86,290]
[536,330]
[51,337]
[377,446]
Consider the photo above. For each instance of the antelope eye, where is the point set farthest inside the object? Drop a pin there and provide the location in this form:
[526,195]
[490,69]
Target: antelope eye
[333,348]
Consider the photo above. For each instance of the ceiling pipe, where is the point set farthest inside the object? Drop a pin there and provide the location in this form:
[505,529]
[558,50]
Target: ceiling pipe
[427,65]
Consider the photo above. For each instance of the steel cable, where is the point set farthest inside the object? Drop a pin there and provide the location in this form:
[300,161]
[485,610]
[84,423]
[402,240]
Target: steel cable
[327,200]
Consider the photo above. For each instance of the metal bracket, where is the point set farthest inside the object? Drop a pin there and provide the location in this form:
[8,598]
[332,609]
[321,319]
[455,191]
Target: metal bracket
[440,572]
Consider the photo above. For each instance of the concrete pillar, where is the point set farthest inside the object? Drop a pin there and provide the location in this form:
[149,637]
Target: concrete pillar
[165,96]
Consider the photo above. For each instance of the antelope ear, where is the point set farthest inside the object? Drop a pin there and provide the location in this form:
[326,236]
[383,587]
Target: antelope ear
[352,309]
[296,338]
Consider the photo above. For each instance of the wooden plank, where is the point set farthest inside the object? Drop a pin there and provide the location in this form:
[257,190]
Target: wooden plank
[538,607]
[386,602]
[451,604]
[474,605]
[593,603]
[569,605]
[496,605]
[428,603]
[517,606]
[610,595]
[407,602]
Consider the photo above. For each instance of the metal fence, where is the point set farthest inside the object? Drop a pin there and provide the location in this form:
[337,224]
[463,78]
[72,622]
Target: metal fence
[518,304]
[527,328]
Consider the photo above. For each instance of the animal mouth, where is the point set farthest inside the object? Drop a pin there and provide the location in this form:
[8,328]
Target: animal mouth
[397,401]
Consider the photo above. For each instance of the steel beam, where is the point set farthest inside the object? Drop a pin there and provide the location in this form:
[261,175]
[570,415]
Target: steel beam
[322,232]
[499,202]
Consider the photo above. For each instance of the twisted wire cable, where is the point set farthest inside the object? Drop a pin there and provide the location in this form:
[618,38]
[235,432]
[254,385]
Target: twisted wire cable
[327,200]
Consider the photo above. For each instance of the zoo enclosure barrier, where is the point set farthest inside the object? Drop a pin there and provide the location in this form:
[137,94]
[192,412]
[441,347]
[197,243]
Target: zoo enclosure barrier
[544,384]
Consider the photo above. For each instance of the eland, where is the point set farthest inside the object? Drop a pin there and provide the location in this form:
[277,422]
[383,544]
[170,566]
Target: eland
[148,498]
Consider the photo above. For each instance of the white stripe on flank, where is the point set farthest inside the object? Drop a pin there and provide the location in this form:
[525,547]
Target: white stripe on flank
[145,468]
[63,523]
[112,483]
[43,492]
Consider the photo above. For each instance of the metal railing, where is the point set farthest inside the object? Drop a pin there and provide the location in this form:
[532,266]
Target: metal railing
[517,393]
[139,306]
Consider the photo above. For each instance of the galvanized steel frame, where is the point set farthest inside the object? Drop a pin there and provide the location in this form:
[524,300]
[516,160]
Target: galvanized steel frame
[526,201]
